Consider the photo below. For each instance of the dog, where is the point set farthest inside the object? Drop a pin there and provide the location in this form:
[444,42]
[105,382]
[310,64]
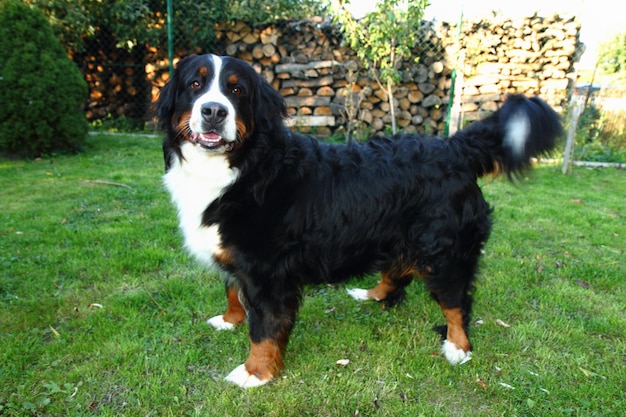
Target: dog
[275,210]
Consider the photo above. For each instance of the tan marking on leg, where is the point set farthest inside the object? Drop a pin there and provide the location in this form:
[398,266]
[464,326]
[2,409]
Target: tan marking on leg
[385,287]
[456,333]
[265,360]
[389,282]
[235,313]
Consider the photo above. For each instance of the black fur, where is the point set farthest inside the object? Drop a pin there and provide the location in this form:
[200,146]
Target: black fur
[308,212]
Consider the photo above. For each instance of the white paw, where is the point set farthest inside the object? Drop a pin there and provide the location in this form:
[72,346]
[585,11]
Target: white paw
[454,355]
[358,294]
[241,377]
[219,324]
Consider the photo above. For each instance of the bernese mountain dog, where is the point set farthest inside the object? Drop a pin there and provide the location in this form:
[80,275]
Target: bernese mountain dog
[275,210]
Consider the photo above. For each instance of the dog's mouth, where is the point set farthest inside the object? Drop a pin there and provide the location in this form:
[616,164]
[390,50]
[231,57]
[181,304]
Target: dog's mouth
[211,141]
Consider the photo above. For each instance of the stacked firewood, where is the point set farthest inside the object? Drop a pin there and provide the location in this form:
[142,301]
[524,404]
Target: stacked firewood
[328,90]
[532,56]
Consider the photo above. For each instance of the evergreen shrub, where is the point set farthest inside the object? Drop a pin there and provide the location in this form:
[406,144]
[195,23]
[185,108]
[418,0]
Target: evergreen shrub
[41,89]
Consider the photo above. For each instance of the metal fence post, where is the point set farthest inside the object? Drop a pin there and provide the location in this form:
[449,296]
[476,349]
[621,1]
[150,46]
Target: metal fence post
[170,36]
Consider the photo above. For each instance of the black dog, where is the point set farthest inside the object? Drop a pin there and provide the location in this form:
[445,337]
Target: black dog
[277,210]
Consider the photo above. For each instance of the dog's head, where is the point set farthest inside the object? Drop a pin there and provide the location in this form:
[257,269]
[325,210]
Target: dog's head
[217,103]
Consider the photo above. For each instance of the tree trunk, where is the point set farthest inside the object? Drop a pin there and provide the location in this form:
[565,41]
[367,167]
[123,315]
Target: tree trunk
[392,106]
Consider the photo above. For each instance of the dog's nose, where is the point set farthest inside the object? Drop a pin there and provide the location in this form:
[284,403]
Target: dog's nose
[214,112]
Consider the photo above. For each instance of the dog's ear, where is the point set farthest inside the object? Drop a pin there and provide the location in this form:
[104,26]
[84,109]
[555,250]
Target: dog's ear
[270,107]
[165,111]
[166,104]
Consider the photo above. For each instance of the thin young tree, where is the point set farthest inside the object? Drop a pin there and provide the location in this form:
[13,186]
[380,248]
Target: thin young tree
[383,39]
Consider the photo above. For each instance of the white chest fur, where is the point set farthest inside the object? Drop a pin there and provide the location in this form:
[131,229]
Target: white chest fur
[193,184]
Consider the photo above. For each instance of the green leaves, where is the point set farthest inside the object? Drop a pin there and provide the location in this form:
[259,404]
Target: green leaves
[384,38]
[134,22]
[42,90]
[612,55]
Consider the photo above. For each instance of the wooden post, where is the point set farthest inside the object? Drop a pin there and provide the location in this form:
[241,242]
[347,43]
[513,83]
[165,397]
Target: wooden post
[571,134]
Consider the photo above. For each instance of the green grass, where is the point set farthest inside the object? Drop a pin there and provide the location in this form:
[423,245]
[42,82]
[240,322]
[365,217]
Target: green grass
[553,271]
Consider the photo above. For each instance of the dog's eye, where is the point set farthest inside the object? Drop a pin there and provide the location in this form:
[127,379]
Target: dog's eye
[195,84]
[236,91]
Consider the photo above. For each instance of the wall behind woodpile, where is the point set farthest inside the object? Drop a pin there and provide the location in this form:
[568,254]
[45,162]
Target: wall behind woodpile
[326,87]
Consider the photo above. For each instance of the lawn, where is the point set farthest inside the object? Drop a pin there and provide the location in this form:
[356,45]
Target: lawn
[102,313]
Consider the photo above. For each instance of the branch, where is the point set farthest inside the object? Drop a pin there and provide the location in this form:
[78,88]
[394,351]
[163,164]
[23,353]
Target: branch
[117,184]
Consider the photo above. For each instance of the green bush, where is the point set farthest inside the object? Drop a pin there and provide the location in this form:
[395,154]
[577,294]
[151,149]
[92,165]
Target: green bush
[41,90]
[600,135]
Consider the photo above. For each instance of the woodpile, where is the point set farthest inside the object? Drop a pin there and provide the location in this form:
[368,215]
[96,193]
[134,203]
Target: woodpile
[327,89]
[532,56]
[117,83]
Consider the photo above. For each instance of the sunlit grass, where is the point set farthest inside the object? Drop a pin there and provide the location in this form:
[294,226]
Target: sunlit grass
[102,313]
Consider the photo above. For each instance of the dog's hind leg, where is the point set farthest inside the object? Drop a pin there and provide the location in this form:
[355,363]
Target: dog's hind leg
[456,303]
[390,288]
[235,312]
[456,347]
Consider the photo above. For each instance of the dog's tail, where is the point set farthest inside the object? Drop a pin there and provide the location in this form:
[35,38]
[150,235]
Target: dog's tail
[506,141]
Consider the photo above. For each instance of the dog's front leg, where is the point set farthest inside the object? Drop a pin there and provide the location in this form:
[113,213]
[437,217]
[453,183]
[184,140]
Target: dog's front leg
[271,320]
[263,364]
[235,312]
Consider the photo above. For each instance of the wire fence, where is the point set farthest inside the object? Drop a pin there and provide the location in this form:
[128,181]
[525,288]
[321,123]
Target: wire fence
[326,87]
[124,81]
